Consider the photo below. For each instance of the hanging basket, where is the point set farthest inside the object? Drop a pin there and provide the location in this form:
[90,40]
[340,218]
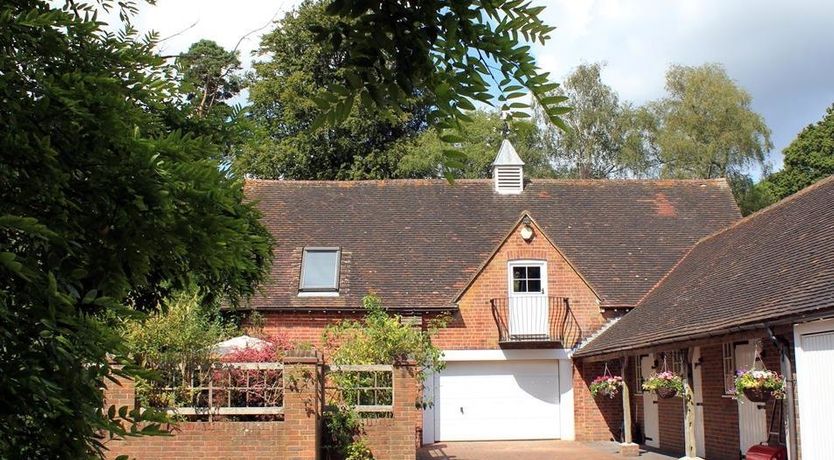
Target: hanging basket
[758,395]
[666,393]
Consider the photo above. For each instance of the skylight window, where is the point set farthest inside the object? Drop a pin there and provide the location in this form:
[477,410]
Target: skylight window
[320,270]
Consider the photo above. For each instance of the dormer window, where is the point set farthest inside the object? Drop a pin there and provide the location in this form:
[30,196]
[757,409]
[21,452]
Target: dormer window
[320,271]
[507,170]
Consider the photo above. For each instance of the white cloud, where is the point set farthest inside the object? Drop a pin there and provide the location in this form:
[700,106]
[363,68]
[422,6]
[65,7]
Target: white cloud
[779,51]
[220,20]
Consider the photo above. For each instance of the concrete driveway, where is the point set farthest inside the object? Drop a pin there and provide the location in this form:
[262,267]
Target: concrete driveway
[514,450]
[525,450]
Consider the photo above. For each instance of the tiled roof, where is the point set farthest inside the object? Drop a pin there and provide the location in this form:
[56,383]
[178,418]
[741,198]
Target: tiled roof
[417,243]
[775,264]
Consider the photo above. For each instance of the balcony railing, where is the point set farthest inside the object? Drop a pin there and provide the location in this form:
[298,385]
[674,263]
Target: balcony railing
[536,319]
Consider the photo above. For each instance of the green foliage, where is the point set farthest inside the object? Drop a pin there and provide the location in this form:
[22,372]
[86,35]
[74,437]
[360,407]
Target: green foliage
[604,139]
[809,158]
[479,143]
[345,430]
[297,70]
[379,338]
[752,196]
[208,75]
[455,50]
[179,336]
[383,338]
[106,209]
[705,126]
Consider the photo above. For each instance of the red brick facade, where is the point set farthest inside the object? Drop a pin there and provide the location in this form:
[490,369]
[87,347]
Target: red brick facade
[474,328]
[473,325]
[596,419]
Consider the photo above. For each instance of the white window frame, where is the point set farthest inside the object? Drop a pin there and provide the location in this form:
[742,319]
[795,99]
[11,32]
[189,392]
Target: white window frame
[638,374]
[320,291]
[728,363]
[542,264]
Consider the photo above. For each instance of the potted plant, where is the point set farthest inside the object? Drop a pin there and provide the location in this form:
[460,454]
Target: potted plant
[666,384]
[760,385]
[606,385]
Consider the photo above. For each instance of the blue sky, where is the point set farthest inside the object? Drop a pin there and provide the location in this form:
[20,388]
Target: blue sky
[782,52]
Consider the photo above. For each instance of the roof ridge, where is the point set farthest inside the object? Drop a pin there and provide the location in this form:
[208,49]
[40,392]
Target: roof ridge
[734,225]
[551,180]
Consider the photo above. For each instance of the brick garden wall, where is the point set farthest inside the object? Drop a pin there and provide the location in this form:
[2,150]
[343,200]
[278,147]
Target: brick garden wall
[297,437]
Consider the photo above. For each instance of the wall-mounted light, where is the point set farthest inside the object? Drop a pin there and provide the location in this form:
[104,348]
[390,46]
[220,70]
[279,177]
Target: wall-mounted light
[527,233]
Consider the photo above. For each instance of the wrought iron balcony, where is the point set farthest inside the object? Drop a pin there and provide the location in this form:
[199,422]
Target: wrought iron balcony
[536,319]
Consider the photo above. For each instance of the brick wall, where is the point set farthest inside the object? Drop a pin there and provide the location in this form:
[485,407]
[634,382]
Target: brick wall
[596,419]
[297,437]
[670,414]
[396,438]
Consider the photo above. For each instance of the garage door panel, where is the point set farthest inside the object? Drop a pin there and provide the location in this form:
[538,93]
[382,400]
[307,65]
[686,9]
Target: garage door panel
[815,396]
[498,400]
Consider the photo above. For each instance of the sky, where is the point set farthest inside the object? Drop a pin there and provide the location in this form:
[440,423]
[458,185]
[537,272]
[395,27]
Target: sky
[780,51]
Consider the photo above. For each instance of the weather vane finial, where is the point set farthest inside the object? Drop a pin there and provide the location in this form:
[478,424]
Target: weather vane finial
[505,129]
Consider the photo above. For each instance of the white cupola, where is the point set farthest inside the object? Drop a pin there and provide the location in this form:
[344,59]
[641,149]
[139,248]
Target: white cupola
[507,170]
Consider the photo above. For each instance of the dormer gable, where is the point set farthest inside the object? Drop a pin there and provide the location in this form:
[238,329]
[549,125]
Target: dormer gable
[508,170]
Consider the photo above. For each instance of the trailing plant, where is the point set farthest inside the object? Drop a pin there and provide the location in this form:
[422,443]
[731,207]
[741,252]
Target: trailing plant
[345,430]
[383,338]
[761,380]
[664,380]
[379,338]
[606,385]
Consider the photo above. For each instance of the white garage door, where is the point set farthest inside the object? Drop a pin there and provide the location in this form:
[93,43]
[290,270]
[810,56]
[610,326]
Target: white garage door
[495,400]
[815,372]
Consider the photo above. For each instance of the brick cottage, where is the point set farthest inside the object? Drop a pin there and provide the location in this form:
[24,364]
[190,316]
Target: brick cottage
[550,282]
[527,268]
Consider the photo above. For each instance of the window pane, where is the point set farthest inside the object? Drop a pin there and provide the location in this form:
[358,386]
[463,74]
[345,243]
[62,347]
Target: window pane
[320,269]
[534,273]
[519,272]
[534,285]
[519,286]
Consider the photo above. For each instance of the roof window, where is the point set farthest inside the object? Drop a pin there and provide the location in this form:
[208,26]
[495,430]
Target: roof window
[320,270]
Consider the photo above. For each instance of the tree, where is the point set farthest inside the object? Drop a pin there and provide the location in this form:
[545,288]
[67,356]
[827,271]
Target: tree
[603,139]
[208,75]
[454,50]
[809,158]
[209,78]
[705,126]
[106,209]
[480,142]
[283,91]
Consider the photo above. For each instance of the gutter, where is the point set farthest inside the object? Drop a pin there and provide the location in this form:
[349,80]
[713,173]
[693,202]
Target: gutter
[828,312]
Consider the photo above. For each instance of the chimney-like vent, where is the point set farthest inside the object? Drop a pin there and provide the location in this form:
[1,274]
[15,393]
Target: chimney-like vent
[507,170]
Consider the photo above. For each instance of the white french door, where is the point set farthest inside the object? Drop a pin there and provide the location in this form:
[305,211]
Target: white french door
[529,312]
[752,418]
[651,417]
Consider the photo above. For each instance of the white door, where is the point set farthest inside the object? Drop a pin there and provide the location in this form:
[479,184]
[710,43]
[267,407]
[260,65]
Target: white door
[814,374]
[752,417]
[651,418]
[698,396]
[529,313]
[498,400]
